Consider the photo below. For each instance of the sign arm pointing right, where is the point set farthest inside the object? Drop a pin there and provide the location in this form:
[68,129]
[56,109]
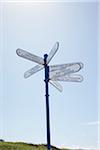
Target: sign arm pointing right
[52,52]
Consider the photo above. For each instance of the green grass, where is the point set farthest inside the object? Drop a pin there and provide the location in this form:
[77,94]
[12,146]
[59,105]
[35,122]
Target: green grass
[24,146]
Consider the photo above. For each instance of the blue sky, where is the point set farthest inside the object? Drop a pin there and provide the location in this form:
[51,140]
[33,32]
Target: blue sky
[74,112]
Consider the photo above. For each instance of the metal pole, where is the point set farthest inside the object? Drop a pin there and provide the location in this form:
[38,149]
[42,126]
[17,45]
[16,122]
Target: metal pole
[47,100]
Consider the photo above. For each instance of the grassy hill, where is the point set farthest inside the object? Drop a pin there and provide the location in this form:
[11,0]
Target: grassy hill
[24,146]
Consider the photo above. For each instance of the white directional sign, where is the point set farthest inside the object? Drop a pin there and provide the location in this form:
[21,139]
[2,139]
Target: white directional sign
[69,78]
[29,56]
[52,52]
[57,85]
[62,72]
[33,70]
[65,66]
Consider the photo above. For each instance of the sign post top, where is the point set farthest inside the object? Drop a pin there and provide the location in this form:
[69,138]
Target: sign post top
[60,72]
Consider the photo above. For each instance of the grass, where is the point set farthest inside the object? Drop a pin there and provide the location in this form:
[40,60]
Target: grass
[24,146]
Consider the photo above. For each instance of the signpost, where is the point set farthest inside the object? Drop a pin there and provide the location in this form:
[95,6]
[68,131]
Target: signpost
[53,74]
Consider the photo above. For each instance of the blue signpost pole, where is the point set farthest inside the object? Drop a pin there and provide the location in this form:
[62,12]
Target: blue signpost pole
[47,100]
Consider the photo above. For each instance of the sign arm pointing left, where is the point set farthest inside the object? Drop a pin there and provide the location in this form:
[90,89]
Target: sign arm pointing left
[33,70]
[29,56]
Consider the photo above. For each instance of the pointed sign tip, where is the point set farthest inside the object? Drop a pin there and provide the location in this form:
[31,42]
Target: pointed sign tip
[18,51]
[25,76]
[81,65]
[81,79]
[57,42]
